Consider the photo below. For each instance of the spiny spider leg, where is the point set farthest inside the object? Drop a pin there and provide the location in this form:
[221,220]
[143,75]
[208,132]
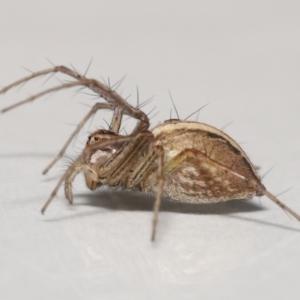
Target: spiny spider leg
[27,78]
[116,120]
[99,88]
[45,92]
[280,204]
[160,187]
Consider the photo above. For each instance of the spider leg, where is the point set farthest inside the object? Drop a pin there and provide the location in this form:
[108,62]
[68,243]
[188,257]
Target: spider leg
[116,120]
[99,88]
[277,201]
[140,175]
[159,190]
[27,78]
[32,98]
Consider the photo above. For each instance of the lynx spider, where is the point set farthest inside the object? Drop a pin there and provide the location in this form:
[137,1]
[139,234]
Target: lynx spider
[188,161]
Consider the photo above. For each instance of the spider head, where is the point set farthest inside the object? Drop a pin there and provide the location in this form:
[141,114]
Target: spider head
[99,136]
[97,151]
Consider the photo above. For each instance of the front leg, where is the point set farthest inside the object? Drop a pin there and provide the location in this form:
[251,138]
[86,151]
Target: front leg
[140,176]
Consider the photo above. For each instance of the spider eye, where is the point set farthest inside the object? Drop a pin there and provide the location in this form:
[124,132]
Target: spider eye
[101,131]
[96,138]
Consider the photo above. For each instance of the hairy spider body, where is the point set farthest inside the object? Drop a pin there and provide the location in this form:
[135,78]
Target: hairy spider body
[189,162]
[195,167]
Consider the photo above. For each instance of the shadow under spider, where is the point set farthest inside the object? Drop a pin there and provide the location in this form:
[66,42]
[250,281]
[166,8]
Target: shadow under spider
[138,201]
[135,201]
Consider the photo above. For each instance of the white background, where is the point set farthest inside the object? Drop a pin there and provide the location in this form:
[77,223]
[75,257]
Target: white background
[241,57]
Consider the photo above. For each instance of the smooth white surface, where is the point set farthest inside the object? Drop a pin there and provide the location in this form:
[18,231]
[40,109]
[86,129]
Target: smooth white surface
[241,57]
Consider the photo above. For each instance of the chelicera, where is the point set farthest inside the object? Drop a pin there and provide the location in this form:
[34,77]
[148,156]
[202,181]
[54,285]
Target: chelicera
[189,162]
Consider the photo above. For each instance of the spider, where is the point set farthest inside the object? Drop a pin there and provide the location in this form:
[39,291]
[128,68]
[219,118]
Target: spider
[189,162]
